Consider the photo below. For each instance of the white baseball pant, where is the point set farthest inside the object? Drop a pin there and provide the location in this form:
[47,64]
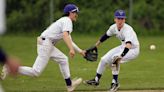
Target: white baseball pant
[46,50]
[109,57]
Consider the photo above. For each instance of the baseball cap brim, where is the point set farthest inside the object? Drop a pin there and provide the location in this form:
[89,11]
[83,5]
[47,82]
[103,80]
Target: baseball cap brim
[120,16]
[75,10]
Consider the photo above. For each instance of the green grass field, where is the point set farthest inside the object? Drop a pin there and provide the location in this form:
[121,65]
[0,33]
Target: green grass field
[145,72]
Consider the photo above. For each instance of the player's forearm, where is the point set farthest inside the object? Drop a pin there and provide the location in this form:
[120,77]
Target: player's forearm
[77,49]
[97,43]
[67,40]
[102,39]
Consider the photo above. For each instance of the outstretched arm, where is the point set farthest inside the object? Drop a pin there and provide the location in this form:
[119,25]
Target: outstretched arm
[102,39]
[77,49]
[92,52]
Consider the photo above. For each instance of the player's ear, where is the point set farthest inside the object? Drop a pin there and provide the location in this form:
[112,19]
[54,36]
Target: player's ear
[114,19]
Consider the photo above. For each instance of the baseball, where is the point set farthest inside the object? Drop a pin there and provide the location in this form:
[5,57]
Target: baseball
[152,47]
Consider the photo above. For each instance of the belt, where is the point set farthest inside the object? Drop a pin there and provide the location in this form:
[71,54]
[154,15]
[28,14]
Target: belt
[43,38]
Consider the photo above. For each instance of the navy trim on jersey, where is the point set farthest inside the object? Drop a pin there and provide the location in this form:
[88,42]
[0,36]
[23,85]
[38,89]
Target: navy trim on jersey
[104,37]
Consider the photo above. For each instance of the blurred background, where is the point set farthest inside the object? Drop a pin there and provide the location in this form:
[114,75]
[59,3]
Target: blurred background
[24,20]
[33,16]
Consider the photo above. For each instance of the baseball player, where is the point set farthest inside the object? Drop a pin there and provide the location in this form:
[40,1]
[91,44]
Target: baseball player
[12,64]
[2,16]
[128,50]
[61,29]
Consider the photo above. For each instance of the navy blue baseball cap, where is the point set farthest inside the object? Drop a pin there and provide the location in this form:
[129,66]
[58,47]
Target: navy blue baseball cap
[119,14]
[70,8]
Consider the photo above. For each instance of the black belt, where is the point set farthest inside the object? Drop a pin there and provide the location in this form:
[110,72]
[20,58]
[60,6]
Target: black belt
[43,38]
[123,40]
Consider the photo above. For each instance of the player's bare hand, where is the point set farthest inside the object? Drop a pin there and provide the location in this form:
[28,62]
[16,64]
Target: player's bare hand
[72,53]
[13,65]
[83,53]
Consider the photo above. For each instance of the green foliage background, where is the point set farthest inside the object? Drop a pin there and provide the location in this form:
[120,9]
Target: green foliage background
[95,15]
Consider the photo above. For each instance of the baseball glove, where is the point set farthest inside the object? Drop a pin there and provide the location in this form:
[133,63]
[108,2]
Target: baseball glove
[91,54]
[116,61]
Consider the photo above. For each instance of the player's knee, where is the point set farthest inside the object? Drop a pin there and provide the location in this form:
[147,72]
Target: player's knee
[103,60]
[64,60]
[36,73]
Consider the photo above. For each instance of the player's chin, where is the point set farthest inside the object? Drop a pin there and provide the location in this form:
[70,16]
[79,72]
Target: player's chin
[75,19]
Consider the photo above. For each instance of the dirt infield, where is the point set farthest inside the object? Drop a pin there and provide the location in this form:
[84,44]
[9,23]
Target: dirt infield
[142,91]
[135,91]
[128,91]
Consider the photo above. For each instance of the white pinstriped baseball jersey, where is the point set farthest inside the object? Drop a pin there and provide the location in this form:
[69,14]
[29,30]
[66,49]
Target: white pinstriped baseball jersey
[125,34]
[56,29]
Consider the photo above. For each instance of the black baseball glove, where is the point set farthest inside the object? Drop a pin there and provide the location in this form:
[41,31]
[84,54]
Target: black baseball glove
[91,54]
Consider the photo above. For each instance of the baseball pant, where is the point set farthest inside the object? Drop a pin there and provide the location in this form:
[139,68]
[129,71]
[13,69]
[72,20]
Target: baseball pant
[109,57]
[46,51]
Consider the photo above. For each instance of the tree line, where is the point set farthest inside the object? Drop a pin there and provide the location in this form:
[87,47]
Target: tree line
[95,15]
